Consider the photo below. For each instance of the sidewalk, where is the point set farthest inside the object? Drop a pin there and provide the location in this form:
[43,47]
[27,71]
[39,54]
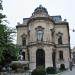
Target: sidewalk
[69,72]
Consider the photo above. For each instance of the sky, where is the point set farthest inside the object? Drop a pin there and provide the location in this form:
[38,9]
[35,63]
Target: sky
[16,10]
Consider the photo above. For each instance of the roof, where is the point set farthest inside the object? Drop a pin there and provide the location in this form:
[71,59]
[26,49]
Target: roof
[40,9]
[57,19]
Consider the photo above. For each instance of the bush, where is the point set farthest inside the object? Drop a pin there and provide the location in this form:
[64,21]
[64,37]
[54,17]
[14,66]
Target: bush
[0,68]
[62,67]
[14,67]
[51,70]
[26,68]
[40,70]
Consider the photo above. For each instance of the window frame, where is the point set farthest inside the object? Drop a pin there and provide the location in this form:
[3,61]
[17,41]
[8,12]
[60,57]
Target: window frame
[59,34]
[61,57]
[23,39]
[60,40]
[39,28]
[39,35]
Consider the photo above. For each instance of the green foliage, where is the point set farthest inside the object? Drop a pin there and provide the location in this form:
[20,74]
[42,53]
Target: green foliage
[2,32]
[40,70]
[26,68]
[62,67]
[6,44]
[1,15]
[1,5]
[15,66]
[8,50]
[51,70]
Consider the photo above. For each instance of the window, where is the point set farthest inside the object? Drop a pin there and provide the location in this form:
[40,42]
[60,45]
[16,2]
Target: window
[60,40]
[23,54]
[73,54]
[61,55]
[59,35]
[40,35]
[23,37]
[23,41]
[39,32]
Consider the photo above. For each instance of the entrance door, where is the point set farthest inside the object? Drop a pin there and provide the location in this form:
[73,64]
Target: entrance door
[40,57]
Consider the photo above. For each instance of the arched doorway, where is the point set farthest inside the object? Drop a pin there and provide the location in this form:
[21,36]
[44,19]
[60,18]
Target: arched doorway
[40,57]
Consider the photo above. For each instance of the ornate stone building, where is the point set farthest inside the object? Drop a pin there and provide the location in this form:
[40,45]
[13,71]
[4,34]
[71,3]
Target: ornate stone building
[44,39]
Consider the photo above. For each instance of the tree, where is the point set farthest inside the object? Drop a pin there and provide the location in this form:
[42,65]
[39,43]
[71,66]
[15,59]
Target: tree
[8,50]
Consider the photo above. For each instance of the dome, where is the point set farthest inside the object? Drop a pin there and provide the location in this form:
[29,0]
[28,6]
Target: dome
[40,10]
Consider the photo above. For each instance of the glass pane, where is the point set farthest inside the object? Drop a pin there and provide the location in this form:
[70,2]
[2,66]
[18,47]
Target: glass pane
[40,35]
[23,41]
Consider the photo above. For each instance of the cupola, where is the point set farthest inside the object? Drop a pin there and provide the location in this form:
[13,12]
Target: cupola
[40,12]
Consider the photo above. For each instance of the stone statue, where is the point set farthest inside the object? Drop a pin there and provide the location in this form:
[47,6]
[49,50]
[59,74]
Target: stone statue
[20,57]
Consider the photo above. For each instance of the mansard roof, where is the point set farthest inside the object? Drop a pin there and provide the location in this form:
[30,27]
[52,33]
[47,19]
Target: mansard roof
[42,13]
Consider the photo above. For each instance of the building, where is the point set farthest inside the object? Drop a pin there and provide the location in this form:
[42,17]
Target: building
[73,55]
[44,39]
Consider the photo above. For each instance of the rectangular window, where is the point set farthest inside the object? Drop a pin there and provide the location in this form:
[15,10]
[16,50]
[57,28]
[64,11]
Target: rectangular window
[61,55]
[73,54]
[23,41]
[60,40]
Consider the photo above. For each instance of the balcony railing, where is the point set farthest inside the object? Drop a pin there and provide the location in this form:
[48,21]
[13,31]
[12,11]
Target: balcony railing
[40,42]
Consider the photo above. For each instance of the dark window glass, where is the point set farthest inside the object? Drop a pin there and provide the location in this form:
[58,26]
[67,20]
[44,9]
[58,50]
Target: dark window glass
[23,54]
[60,40]
[23,41]
[60,55]
[73,54]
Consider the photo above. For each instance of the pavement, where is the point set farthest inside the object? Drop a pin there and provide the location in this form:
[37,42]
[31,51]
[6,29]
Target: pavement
[69,72]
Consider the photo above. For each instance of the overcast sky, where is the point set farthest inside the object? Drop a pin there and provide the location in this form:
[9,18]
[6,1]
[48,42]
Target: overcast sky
[16,10]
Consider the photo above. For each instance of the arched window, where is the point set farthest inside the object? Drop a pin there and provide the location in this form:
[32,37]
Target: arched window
[39,35]
[60,40]
[23,41]
[39,32]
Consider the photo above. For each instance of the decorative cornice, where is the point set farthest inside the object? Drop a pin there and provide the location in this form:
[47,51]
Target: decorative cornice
[40,18]
[21,25]
[61,23]
[41,43]
[62,45]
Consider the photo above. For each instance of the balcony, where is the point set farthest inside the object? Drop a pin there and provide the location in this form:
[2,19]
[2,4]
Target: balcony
[40,42]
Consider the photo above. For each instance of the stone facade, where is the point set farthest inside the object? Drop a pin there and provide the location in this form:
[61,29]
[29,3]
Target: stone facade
[44,40]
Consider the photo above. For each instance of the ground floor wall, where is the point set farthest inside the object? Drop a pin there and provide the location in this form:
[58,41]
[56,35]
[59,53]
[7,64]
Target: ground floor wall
[48,50]
[66,57]
[48,56]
